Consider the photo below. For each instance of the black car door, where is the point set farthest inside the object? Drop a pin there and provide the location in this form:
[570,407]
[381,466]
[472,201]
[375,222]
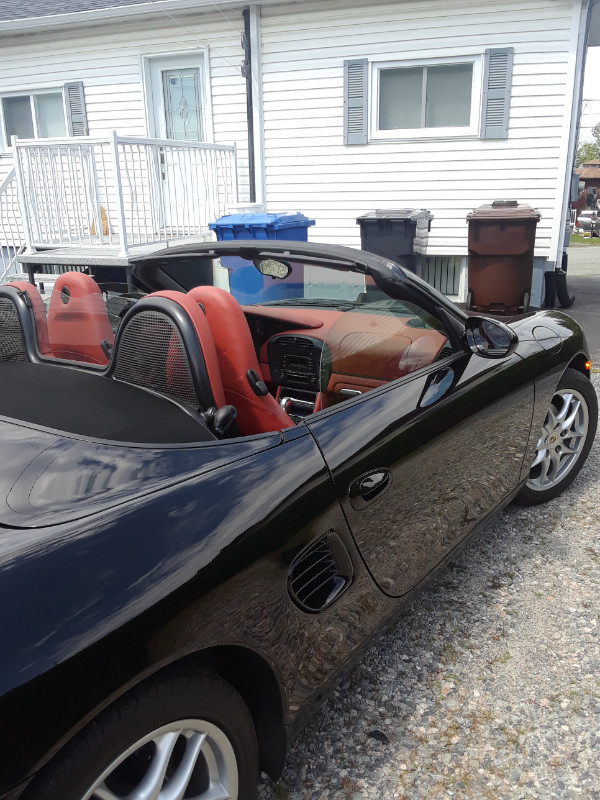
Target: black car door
[417,459]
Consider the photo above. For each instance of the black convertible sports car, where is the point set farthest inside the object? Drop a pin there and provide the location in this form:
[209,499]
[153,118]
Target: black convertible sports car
[209,501]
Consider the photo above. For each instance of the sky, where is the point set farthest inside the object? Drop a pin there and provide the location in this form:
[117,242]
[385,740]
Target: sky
[590,108]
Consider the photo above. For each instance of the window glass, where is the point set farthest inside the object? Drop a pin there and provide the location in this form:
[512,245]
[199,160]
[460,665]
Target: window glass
[400,98]
[431,96]
[362,338]
[183,107]
[18,119]
[448,95]
[50,115]
[47,121]
[379,342]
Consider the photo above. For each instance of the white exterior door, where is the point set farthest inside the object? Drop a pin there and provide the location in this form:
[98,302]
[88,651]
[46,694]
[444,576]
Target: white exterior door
[178,97]
[178,111]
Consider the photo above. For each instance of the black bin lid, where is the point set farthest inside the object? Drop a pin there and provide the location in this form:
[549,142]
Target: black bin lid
[404,214]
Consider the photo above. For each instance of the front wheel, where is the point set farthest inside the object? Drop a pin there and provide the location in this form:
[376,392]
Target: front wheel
[179,737]
[565,441]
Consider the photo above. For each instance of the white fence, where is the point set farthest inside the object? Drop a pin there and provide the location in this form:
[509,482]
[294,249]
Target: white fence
[120,191]
[573,218]
[12,234]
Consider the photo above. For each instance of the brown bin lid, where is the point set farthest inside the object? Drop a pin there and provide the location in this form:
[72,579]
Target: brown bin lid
[505,209]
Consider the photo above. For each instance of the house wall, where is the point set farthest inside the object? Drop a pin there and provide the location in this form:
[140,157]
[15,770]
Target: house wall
[108,59]
[309,169]
[304,45]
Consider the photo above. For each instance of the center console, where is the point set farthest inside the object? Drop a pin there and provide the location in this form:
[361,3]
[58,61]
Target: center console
[295,366]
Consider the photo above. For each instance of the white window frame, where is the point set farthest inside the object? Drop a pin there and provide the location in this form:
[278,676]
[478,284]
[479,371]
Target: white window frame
[451,132]
[30,93]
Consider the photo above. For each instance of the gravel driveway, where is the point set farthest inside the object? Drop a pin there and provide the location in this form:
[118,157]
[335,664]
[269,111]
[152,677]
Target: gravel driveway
[488,686]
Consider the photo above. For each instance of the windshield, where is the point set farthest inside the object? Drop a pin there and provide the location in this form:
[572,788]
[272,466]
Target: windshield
[304,284]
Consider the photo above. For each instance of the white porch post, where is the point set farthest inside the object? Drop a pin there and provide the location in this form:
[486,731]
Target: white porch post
[114,152]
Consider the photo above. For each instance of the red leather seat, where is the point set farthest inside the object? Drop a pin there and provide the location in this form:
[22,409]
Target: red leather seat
[39,314]
[256,413]
[78,322]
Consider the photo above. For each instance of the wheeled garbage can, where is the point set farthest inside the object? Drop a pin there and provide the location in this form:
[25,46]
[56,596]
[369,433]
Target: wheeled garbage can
[396,233]
[501,244]
[246,283]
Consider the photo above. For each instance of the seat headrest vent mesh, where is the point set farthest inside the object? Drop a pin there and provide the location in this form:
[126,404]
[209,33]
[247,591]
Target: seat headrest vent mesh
[151,354]
[12,346]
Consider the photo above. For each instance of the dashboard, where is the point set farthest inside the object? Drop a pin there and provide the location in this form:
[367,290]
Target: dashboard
[313,358]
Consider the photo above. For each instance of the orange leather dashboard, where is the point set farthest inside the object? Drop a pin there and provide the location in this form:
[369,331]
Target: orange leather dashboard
[367,350]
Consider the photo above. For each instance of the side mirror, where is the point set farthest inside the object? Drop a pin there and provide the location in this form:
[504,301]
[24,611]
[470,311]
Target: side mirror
[490,338]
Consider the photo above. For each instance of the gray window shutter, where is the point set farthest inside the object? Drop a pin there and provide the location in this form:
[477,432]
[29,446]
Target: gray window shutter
[355,101]
[497,81]
[77,124]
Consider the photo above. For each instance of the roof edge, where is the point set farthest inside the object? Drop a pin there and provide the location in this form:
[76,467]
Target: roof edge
[149,8]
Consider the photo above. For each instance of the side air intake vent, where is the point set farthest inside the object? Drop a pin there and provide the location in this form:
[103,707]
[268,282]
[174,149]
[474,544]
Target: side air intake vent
[320,574]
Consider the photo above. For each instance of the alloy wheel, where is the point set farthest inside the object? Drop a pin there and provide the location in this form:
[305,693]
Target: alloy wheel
[562,440]
[185,760]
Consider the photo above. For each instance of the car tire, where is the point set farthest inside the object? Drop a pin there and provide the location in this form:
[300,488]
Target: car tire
[566,439]
[184,727]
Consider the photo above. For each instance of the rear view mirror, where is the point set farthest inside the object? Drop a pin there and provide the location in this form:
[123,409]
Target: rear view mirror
[272,268]
[490,338]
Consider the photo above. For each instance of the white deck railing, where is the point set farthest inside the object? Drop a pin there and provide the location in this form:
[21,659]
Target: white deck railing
[120,191]
[12,234]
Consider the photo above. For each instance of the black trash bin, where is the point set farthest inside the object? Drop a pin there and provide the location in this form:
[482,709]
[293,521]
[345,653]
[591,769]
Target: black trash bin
[396,233]
[501,244]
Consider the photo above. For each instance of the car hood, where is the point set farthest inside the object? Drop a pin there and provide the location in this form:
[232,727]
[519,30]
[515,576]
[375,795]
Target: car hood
[47,478]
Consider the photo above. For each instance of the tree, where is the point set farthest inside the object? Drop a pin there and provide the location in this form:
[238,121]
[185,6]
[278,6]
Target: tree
[587,151]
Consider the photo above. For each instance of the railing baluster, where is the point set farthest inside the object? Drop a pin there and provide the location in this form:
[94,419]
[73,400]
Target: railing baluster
[12,232]
[150,190]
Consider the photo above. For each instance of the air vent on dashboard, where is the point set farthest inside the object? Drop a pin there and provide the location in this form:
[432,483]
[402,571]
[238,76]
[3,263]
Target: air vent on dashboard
[286,341]
[320,574]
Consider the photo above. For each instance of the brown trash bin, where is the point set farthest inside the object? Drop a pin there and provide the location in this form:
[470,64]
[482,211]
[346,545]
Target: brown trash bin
[501,243]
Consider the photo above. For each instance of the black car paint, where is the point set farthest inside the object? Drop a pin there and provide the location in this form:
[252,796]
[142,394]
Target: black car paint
[419,447]
[122,606]
[130,579]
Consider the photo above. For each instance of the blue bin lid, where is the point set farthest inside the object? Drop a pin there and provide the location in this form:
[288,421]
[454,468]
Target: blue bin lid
[272,221]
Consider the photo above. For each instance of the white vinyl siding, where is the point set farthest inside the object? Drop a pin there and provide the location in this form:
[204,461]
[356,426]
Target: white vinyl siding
[108,59]
[308,167]
[304,46]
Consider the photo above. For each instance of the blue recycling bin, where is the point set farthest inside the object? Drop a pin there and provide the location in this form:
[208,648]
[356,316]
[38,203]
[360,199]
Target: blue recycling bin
[246,283]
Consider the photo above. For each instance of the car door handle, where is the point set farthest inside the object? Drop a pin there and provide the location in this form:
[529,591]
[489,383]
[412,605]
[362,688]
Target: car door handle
[368,487]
